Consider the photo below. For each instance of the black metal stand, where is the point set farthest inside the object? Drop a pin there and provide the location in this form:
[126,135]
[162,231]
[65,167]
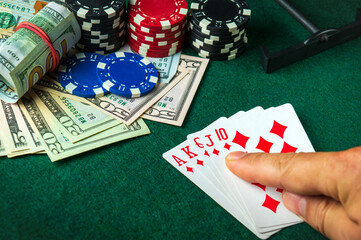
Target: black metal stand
[319,41]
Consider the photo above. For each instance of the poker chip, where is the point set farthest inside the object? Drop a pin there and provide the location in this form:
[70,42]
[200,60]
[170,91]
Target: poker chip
[216,43]
[144,51]
[127,74]
[156,35]
[199,46]
[93,27]
[222,52]
[158,43]
[157,28]
[111,39]
[137,36]
[107,34]
[158,14]
[95,9]
[77,75]
[143,29]
[102,24]
[220,14]
[214,36]
[216,28]
[99,21]
[223,57]
[102,47]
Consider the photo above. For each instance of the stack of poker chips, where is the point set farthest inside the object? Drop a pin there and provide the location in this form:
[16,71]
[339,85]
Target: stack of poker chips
[216,28]
[102,23]
[157,28]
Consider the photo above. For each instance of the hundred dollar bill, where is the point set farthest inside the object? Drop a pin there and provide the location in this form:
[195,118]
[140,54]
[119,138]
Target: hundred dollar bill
[76,120]
[58,147]
[17,136]
[173,107]
[126,110]
[25,57]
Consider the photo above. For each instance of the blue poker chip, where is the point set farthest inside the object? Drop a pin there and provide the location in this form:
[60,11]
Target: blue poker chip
[78,76]
[127,74]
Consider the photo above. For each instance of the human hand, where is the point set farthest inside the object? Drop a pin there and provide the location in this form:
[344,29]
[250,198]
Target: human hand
[322,188]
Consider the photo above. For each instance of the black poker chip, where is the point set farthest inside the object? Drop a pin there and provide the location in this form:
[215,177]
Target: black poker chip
[217,28]
[101,25]
[97,47]
[102,38]
[99,42]
[220,14]
[214,41]
[224,37]
[221,56]
[219,31]
[105,29]
[216,48]
[98,51]
[103,34]
[95,9]
[103,22]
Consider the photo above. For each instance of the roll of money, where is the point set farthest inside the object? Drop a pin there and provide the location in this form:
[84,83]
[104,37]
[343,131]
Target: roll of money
[25,57]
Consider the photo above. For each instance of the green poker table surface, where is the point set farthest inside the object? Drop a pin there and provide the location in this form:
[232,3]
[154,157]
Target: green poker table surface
[128,191]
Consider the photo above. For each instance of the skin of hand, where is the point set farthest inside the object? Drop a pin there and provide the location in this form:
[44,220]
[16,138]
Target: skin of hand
[323,188]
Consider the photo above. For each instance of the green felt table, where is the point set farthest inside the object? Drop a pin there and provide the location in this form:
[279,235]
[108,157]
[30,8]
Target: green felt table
[128,191]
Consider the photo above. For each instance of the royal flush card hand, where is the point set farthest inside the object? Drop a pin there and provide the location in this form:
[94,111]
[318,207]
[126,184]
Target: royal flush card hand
[201,158]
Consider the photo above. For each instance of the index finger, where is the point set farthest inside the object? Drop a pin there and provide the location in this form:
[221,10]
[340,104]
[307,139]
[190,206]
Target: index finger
[301,173]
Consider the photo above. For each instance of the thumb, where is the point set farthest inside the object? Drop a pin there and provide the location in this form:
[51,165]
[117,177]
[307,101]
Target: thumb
[323,214]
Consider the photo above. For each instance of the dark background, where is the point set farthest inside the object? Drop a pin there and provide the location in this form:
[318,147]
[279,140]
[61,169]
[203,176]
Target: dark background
[128,191]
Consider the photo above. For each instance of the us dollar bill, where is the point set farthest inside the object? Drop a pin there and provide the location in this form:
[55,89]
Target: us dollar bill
[25,57]
[11,130]
[34,143]
[126,110]
[15,132]
[173,107]
[76,120]
[59,147]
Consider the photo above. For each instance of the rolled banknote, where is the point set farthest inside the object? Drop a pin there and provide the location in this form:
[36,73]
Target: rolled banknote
[25,57]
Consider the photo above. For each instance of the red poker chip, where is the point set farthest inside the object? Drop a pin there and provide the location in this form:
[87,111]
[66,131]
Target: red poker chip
[156,36]
[163,14]
[155,48]
[145,29]
[173,49]
[156,54]
[157,44]
[152,40]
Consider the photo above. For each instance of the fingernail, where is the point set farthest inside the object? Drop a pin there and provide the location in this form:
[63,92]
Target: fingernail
[233,156]
[295,203]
